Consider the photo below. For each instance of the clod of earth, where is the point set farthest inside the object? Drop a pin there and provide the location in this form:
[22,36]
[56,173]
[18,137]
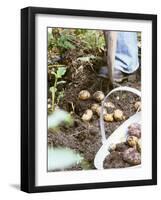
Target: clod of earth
[131,156]
[134,130]
[118,115]
[98,96]
[84,95]
[132,141]
[108,117]
[114,160]
[94,107]
[87,116]
[121,147]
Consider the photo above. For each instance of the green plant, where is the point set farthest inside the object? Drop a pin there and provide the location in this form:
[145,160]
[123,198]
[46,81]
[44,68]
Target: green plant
[64,42]
[50,41]
[60,96]
[61,39]
[58,75]
[93,41]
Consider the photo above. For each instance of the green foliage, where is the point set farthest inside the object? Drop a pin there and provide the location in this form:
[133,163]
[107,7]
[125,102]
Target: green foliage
[65,42]
[62,40]
[59,74]
[60,95]
[93,40]
[50,41]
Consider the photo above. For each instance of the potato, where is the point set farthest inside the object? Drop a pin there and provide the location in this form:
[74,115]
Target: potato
[94,107]
[132,141]
[137,105]
[131,156]
[84,95]
[135,130]
[139,145]
[98,111]
[118,115]
[109,105]
[98,96]
[87,116]
[108,117]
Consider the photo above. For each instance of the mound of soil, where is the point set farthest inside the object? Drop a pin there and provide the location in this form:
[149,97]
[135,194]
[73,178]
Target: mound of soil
[116,158]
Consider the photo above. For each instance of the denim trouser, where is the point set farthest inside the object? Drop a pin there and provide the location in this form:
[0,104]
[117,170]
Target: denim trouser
[126,52]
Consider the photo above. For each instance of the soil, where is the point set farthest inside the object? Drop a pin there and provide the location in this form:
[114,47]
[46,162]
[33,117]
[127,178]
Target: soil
[115,158]
[84,137]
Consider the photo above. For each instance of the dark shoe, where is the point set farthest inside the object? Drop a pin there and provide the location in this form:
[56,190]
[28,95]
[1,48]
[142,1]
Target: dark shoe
[118,75]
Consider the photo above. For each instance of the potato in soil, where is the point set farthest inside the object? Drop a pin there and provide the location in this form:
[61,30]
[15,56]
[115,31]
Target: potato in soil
[87,116]
[84,95]
[137,105]
[98,96]
[132,141]
[98,111]
[108,117]
[118,115]
[94,107]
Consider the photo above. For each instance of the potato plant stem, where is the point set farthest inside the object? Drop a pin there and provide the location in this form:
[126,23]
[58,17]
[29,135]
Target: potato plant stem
[53,94]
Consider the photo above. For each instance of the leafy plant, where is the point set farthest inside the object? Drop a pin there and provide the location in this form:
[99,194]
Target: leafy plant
[58,74]
[64,42]
[50,41]
[61,39]
[60,94]
[93,41]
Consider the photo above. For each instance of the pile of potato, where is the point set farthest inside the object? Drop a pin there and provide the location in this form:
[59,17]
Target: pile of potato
[115,115]
[130,151]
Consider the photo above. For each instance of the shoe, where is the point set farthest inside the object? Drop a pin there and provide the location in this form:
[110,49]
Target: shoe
[119,76]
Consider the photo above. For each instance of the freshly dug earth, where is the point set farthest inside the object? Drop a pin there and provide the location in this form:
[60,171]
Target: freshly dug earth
[116,158]
[128,153]
[84,137]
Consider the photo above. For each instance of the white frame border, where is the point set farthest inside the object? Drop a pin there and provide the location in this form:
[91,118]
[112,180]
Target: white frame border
[44,178]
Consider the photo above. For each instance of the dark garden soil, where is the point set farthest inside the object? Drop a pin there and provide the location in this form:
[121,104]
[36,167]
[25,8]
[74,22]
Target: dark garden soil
[84,137]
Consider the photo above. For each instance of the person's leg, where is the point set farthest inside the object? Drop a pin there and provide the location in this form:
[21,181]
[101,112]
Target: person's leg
[126,58]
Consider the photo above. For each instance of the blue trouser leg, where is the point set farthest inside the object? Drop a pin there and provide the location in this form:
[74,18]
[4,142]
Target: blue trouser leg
[126,52]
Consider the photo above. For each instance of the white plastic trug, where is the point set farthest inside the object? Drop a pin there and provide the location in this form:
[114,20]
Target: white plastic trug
[119,135]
